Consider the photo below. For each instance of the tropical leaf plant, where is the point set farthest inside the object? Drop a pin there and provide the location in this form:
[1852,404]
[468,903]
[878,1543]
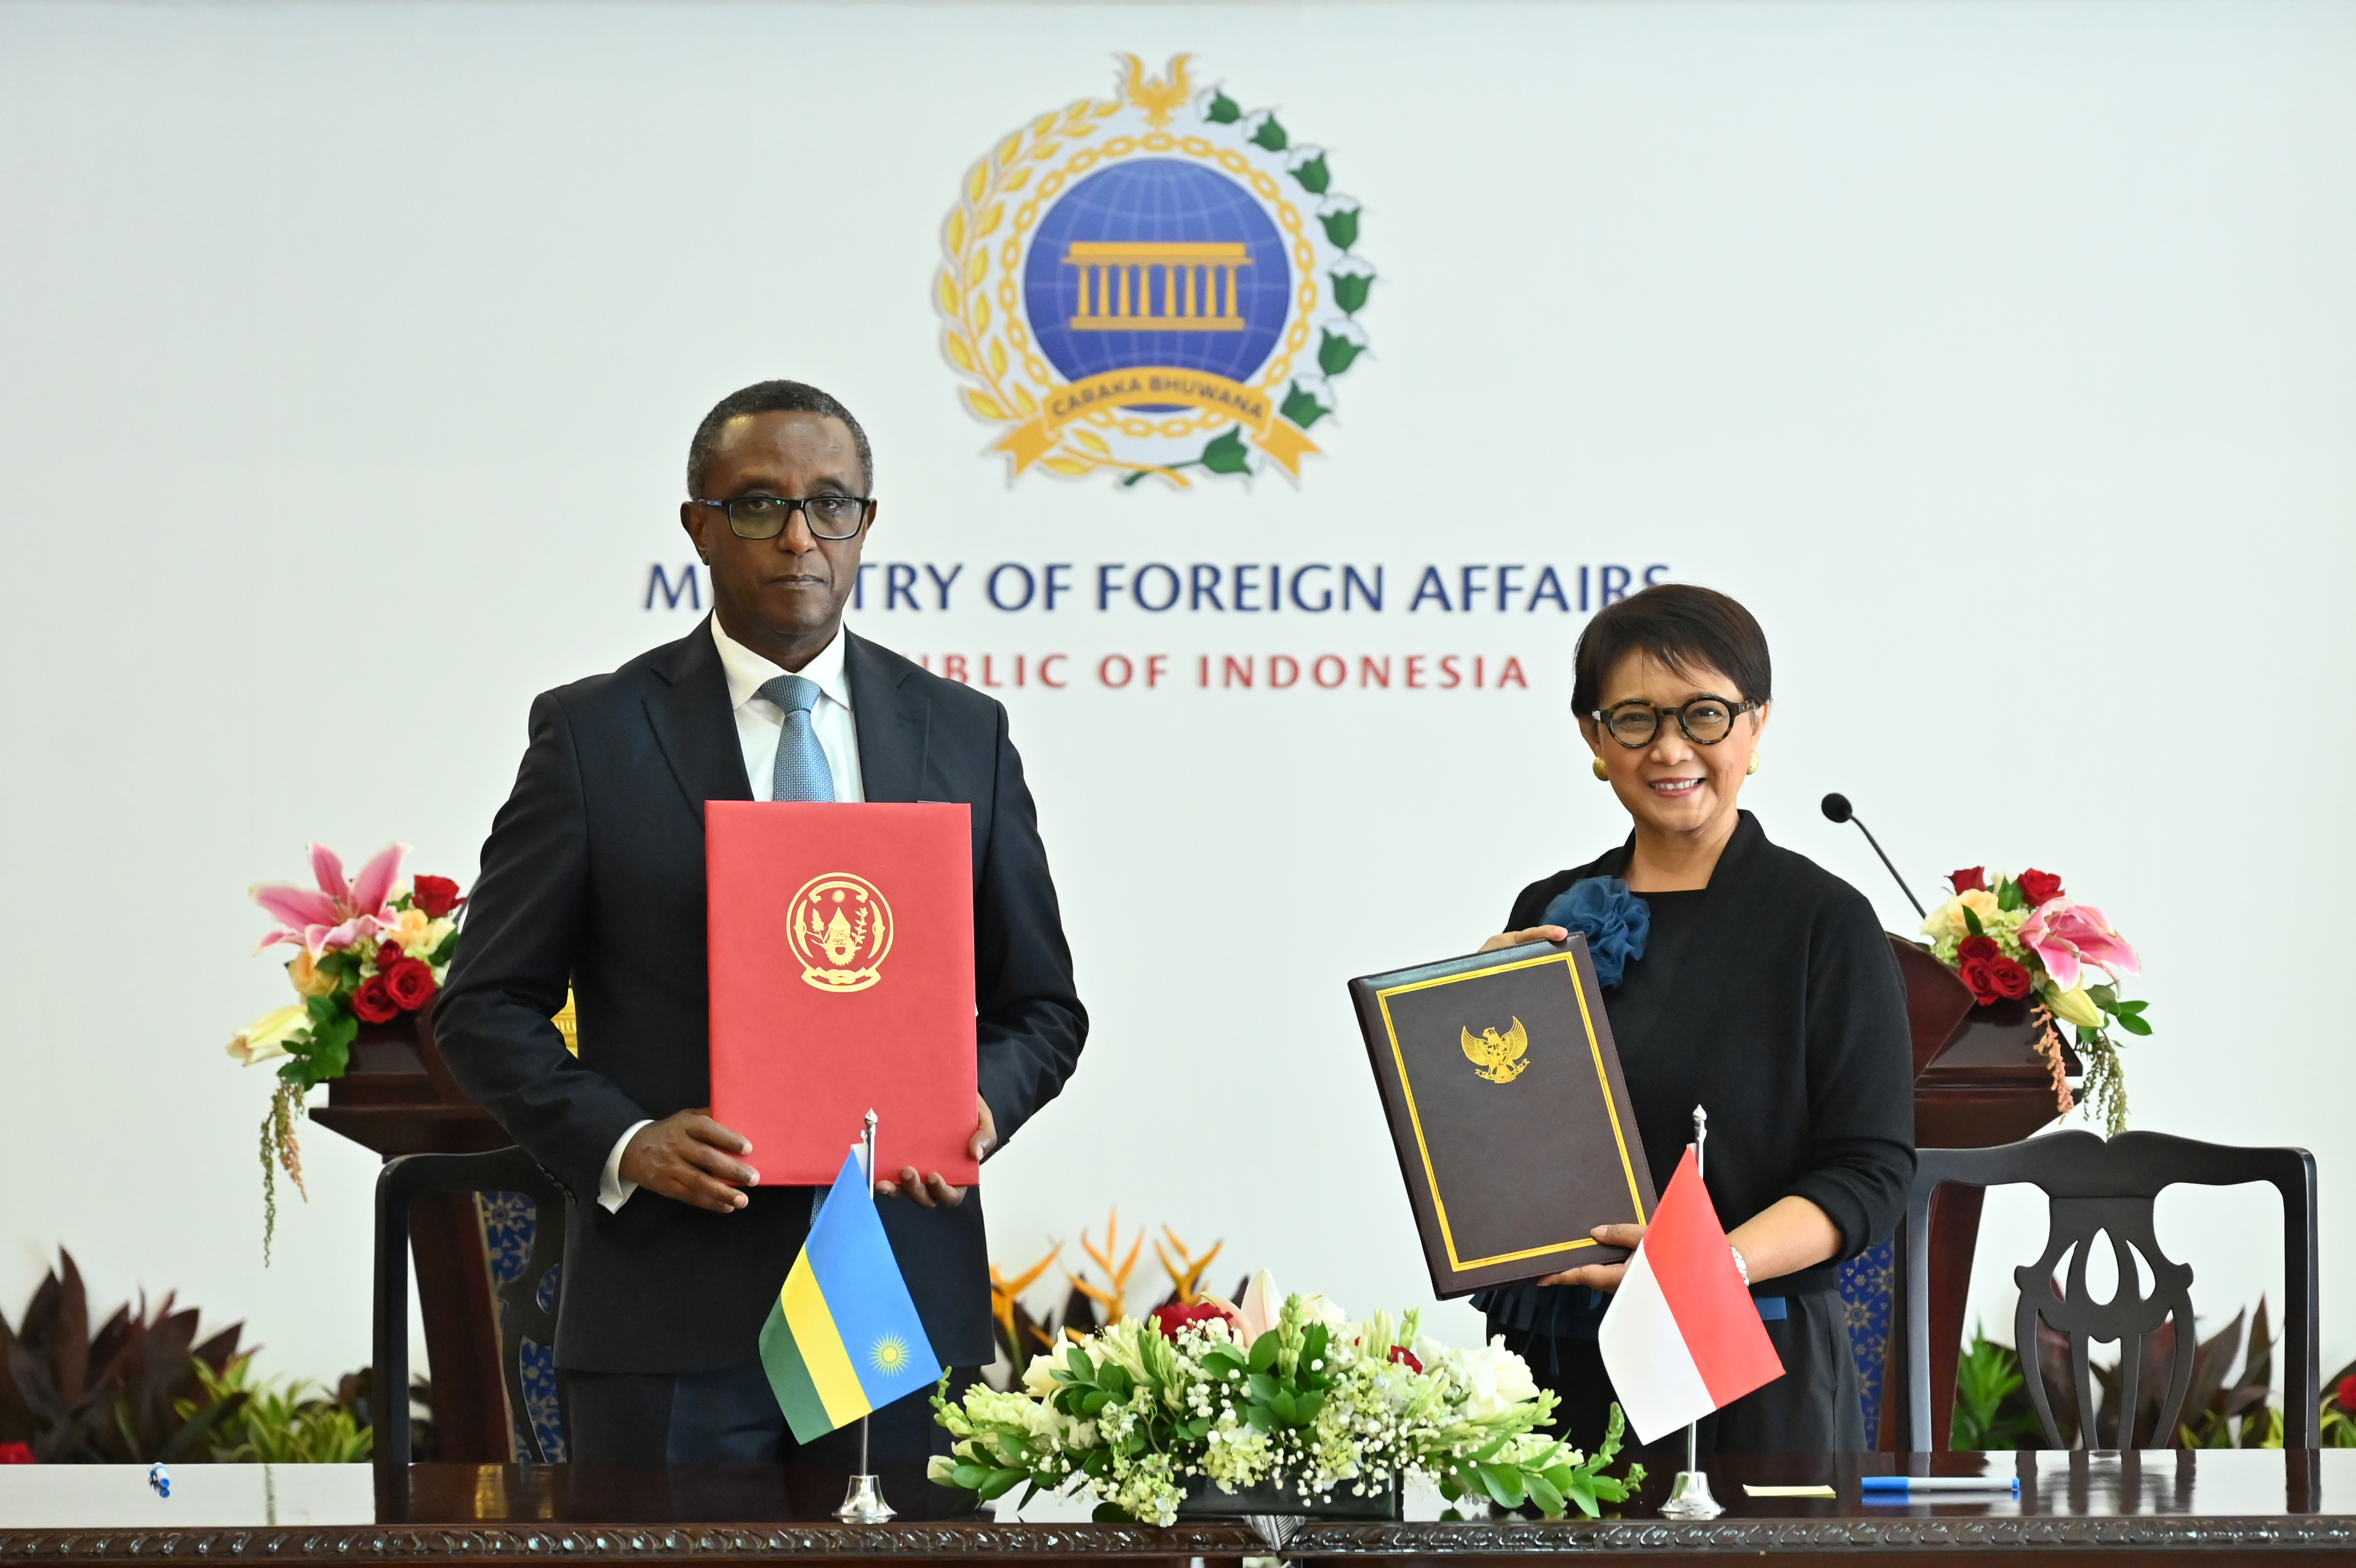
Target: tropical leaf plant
[134,1391]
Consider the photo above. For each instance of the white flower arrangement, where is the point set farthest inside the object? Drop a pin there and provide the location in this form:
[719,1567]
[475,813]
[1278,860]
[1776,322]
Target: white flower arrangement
[1302,1399]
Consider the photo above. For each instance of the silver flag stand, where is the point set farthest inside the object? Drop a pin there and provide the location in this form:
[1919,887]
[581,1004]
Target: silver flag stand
[1689,1493]
[862,1501]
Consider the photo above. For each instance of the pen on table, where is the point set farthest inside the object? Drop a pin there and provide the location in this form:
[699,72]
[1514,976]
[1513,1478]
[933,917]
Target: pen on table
[1871,1484]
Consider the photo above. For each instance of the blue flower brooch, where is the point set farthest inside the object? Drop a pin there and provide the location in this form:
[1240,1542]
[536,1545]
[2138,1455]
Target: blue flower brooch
[1615,920]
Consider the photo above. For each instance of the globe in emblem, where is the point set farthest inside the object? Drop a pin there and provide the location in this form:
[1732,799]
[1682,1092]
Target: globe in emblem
[840,928]
[1157,263]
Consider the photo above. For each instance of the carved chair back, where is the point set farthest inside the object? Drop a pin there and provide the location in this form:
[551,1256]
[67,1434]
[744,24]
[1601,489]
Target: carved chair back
[2095,1188]
[521,1315]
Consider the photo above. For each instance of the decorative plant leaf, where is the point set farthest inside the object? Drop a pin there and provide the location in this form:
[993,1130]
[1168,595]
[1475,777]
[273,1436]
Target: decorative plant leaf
[1350,289]
[1313,175]
[1342,228]
[1221,110]
[1302,409]
[1271,135]
[1335,353]
[1227,454]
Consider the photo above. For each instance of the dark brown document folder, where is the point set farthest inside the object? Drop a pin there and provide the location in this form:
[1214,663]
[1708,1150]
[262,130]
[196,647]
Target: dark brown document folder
[1506,1102]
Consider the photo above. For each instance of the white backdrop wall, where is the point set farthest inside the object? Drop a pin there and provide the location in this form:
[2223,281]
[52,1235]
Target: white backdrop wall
[2001,356]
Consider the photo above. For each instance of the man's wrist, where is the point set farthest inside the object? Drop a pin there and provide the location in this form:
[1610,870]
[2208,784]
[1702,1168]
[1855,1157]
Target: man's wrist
[1740,1266]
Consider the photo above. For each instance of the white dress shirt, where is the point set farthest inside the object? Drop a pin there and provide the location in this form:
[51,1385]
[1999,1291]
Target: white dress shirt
[759,723]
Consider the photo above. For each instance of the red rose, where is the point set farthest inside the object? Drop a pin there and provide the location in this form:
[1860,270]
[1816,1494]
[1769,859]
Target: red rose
[1972,879]
[2346,1393]
[1983,948]
[410,984]
[1406,1358]
[2040,887]
[388,954]
[2011,981]
[1172,1318]
[1979,974]
[437,896]
[22,1453]
[373,1001]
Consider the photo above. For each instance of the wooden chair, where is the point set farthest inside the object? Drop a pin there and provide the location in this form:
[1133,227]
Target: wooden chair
[521,1313]
[2093,1189]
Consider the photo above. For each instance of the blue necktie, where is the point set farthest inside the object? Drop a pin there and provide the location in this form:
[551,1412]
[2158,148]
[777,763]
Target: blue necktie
[801,771]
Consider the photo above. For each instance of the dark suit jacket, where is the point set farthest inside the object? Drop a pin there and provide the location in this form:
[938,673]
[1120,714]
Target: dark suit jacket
[593,876]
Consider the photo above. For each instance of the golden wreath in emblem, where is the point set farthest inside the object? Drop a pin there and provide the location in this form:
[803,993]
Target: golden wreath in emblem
[1499,1058]
[841,929]
[1151,283]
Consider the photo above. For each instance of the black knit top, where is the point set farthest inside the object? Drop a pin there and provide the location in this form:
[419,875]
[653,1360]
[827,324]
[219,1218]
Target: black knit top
[1770,998]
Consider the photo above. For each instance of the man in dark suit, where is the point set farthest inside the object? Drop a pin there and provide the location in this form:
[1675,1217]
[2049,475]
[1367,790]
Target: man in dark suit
[593,878]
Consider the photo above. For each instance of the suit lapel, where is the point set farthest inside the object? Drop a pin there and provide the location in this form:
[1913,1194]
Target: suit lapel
[893,719]
[694,724]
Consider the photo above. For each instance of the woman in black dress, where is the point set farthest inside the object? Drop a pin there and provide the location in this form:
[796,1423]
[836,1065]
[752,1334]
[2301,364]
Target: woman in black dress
[1749,981]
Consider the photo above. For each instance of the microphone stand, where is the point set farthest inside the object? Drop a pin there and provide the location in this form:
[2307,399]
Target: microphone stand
[1838,809]
[862,1501]
[1689,1493]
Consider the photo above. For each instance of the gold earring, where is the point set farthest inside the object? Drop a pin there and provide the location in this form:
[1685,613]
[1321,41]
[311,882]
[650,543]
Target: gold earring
[1753,767]
[1602,772]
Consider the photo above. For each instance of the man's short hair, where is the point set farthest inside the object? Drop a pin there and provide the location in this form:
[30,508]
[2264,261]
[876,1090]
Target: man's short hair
[770,397]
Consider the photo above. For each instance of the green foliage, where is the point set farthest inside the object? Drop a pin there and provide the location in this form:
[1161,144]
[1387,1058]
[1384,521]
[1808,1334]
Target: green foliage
[1223,455]
[274,1424]
[1313,175]
[1335,353]
[1301,407]
[1271,136]
[1547,1481]
[133,1392]
[1993,1408]
[1223,109]
[1342,228]
[1350,290]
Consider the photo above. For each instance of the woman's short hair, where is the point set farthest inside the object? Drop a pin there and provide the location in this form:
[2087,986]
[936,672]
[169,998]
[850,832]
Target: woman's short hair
[1682,625]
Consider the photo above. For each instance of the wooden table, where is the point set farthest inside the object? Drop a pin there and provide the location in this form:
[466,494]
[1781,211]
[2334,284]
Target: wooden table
[2126,1508]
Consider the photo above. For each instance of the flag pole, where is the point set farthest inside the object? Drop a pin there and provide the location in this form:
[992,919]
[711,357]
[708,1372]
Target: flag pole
[1689,1493]
[862,1501]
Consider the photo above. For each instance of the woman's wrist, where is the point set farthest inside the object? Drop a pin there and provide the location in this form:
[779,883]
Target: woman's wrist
[1741,1267]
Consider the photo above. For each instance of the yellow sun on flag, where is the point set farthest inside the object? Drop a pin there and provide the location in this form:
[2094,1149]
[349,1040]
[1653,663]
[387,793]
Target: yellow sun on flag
[890,1354]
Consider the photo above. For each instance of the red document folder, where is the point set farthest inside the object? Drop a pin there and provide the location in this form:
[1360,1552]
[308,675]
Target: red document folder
[841,942]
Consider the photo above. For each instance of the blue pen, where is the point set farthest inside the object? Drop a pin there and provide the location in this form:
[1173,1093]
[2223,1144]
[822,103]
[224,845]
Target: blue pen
[1903,1485]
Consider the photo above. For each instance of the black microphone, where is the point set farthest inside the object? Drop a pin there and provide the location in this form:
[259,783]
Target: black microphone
[1838,809]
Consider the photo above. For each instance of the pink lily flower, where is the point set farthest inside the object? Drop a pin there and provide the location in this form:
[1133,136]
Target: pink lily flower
[2067,937]
[342,912]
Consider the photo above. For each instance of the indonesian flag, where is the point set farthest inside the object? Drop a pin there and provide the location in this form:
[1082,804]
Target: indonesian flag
[1682,1336]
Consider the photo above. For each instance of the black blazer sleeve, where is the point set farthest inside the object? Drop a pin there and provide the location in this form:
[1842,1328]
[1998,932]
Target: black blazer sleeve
[1861,1076]
[509,979]
[1030,1024]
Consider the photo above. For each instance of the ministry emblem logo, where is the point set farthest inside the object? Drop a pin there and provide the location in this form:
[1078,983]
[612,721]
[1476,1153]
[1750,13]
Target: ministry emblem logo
[1160,283]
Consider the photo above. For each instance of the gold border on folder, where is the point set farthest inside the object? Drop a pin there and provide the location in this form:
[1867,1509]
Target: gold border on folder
[1611,1106]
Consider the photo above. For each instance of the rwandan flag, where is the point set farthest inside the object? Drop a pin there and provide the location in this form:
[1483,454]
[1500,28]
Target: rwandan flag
[843,1338]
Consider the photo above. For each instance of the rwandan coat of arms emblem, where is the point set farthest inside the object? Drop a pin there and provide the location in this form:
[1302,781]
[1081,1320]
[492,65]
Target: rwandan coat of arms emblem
[1154,284]
[840,928]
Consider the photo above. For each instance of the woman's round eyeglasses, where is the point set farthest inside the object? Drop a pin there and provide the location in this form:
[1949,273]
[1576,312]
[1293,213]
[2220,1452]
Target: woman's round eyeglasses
[764,516]
[1706,720]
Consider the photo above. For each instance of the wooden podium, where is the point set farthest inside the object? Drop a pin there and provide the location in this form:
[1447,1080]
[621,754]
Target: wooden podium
[397,1097]
[1978,1081]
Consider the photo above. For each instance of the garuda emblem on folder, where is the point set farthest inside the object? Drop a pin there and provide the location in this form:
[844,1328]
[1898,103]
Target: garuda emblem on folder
[841,929]
[1499,1058]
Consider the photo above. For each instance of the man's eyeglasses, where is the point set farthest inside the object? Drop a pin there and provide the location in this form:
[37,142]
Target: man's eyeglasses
[764,516]
[1706,720]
